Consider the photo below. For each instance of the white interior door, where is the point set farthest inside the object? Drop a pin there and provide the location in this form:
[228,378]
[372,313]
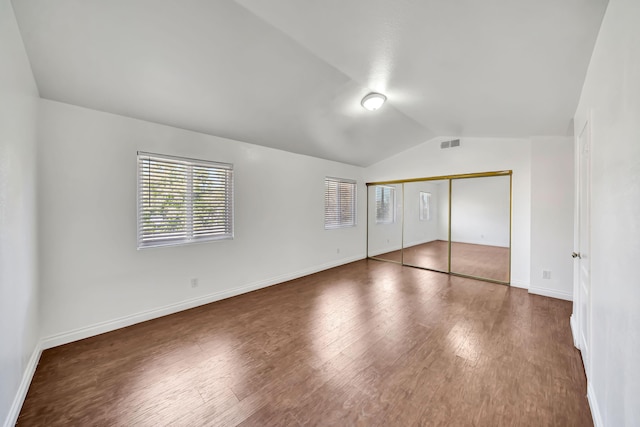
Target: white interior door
[582,254]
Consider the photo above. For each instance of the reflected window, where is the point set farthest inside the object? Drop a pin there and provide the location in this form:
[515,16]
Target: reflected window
[425,206]
[385,204]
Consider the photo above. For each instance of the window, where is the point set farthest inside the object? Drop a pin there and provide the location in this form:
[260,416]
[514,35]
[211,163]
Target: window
[385,204]
[339,203]
[183,200]
[425,206]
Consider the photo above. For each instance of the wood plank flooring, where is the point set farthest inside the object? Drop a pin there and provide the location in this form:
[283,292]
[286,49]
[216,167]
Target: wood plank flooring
[365,344]
[488,262]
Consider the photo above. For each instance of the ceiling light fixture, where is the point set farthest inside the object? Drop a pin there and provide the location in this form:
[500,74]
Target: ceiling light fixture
[373,101]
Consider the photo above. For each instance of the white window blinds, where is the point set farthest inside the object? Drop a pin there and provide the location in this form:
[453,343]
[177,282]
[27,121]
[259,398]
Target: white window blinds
[339,203]
[183,200]
[385,204]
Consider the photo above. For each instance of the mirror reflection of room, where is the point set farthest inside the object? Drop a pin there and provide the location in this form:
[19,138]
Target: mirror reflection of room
[458,224]
[426,224]
[480,227]
[385,222]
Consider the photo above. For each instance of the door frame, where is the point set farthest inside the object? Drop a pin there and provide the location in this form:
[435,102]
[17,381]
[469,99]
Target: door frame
[578,314]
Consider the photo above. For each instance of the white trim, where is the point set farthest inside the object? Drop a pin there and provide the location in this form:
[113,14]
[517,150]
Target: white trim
[553,293]
[143,316]
[21,394]
[593,404]
[519,284]
[574,331]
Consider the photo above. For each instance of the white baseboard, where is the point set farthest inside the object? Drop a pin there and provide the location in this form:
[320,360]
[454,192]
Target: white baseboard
[553,293]
[519,284]
[21,394]
[593,404]
[111,325]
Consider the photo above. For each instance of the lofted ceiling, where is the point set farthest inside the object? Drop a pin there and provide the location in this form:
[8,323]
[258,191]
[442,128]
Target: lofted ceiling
[290,74]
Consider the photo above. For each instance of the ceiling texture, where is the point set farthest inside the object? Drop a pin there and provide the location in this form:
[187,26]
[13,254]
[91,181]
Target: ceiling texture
[290,74]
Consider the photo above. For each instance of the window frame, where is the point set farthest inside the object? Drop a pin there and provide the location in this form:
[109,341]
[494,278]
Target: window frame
[189,208]
[354,203]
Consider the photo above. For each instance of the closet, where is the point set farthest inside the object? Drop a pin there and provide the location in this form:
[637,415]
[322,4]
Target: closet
[455,224]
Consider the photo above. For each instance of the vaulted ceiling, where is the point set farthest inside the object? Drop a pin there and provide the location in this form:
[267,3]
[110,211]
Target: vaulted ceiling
[290,74]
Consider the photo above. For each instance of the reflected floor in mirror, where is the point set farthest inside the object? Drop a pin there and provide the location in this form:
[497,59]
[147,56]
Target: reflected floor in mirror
[433,255]
[489,262]
[368,343]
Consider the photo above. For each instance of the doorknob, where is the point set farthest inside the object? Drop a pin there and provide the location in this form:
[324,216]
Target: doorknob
[576,255]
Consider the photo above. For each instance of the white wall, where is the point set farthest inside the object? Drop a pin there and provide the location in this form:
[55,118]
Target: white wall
[19,331]
[480,210]
[611,96]
[475,155]
[94,279]
[552,216]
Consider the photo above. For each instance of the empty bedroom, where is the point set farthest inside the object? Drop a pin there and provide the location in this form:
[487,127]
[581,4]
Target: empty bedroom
[291,213]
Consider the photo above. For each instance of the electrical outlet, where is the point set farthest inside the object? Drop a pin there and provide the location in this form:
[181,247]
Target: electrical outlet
[194,283]
[546,274]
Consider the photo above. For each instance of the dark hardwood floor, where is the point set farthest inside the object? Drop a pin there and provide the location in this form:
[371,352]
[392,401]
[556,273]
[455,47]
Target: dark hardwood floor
[484,261]
[369,343]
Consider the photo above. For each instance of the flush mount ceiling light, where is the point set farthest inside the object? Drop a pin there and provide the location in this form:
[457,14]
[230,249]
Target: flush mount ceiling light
[373,101]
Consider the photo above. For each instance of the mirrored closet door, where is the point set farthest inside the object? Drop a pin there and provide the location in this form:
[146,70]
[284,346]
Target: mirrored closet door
[480,227]
[384,238]
[457,224]
[426,224]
